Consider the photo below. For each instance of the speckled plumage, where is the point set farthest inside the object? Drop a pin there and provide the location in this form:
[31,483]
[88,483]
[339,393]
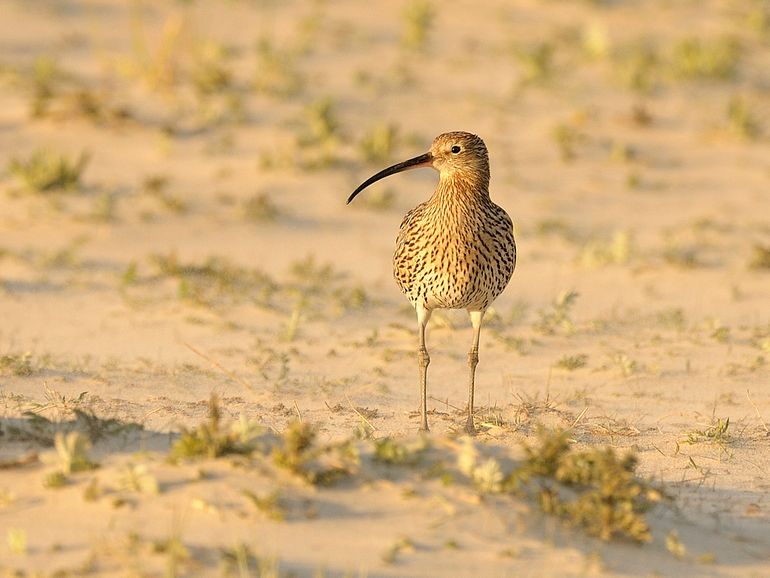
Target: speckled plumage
[456,250]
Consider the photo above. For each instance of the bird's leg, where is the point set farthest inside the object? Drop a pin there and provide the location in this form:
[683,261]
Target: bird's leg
[423,359]
[473,361]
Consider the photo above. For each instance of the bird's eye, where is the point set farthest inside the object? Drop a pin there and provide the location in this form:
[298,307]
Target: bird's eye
[455,149]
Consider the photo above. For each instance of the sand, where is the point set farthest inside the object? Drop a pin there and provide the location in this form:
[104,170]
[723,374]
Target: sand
[206,248]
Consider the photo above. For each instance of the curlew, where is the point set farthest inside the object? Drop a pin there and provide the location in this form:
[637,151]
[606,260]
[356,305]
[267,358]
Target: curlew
[454,251]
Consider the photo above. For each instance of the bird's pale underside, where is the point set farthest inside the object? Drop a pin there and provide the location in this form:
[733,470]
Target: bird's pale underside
[456,250]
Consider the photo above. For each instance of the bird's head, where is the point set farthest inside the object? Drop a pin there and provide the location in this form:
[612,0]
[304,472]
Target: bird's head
[459,152]
[453,154]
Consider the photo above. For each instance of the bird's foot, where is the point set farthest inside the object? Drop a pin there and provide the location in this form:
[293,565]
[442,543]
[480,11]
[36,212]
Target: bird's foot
[470,428]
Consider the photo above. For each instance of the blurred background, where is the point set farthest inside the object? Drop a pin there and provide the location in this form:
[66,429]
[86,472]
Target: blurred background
[178,170]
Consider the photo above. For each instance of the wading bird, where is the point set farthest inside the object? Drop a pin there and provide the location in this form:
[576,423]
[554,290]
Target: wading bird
[454,251]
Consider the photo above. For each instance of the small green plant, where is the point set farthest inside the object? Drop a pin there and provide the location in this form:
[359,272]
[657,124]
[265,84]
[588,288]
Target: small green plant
[92,491]
[298,440]
[486,475]
[55,480]
[680,255]
[278,72]
[636,67]
[72,452]
[718,331]
[45,78]
[136,478]
[316,463]
[239,561]
[211,439]
[706,59]
[674,545]
[389,451]
[174,550]
[741,120]
[598,253]
[210,73]
[594,489]
[378,143]
[556,317]
[18,364]
[567,137]
[760,259]
[417,21]
[626,365]
[156,186]
[403,544]
[572,362]
[717,432]
[45,171]
[320,135]
[537,63]
[321,124]
[268,504]
[259,208]
[17,541]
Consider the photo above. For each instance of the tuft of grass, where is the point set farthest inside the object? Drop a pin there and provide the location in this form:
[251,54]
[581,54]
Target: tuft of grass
[556,317]
[268,504]
[594,489]
[317,464]
[389,451]
[321,124]
[418,18]
[259,208]
[156,186]
[626,365]
[45,171]
[706,59]
[378,142]
[403,544]
[210,73]
[617,251]
[637,67]
[240,561]
[567,138]
[211,439]
[55,480]
[684,256]
[741,120]
[717,432]
[536,62]
[17,541]
[213,280]
[378,199]
[572,362]
[760,259]
[278,72]
[674,545]
[18,364]
[320,134]
[72,453]
[136,478]
[718,331]
[45,78]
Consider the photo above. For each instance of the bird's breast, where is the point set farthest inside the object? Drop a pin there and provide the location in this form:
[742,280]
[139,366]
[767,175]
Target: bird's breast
[453,262]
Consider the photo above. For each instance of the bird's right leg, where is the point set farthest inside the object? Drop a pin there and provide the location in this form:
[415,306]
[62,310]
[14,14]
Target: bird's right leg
[423,359]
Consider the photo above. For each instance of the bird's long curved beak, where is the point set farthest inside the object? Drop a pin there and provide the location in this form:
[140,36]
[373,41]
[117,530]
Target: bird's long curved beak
[425,160]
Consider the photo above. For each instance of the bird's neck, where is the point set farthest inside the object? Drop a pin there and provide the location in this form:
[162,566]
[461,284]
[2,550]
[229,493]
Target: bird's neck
[462,187]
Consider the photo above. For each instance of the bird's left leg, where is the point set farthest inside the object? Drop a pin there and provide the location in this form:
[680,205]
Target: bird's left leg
[473,361]
[423,316]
